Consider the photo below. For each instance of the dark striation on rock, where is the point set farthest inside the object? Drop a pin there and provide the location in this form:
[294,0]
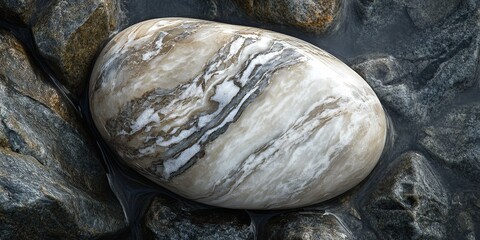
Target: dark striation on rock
[172,219]
[311,16]
[69,33]
[410,201]
[454,139]
[52,184]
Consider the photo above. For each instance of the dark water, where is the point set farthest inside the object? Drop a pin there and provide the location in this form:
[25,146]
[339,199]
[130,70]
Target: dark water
[136,192]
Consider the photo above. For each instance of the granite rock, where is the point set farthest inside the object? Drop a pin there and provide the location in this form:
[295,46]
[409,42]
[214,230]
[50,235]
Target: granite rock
[454,139]
[429,12]
[317,16]
[255,120]
[141,10]
[464,215]
[68,35]
[172,219]
[411,201]
[386,28]
[221,10]
[389,78]
[44,157]
[419,86]
[21,11]
[308,225]
[422,14]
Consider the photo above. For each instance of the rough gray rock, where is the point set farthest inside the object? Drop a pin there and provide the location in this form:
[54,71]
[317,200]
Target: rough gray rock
[416,76]
[421,14]
[69,34]
[37,203]
[140,10]
[308,225]
[18,10]
[410,202]
[464,220]
[429,12]
[385,27]
[445,58]
[171,219]
[308,15]
[454,138]
[52,184]
[389,77]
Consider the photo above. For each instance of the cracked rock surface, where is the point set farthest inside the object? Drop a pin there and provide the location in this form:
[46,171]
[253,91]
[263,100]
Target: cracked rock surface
[52,185]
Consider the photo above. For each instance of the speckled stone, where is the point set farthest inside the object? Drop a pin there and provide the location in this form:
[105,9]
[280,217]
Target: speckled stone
[235,116]
[318,16]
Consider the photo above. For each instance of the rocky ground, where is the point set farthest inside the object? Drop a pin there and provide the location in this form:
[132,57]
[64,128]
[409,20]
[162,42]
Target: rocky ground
[420,57]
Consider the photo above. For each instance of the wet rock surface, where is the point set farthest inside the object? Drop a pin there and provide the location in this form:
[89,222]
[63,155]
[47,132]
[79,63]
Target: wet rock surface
[312,16]
[464,219]
[454,139]
[68,35]
[421,58]
[21,11]
[418,74]
[427,13]
[52,184]
[171,219]
[411,201]
[422,14]
[307,225]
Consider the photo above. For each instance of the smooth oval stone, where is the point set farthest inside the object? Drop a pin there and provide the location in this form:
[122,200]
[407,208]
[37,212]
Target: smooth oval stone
[233,116]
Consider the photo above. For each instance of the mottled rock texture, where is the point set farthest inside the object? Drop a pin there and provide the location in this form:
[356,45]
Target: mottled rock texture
[21,11]
[317,16]
[429,12]
[464,218]
[68,35]
[420,73]
[425,69]
[52,184]
[454,139]
[410,202]
[173,219]
[307,225]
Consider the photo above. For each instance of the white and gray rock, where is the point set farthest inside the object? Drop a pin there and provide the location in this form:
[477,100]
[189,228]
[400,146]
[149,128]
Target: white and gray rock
[234,116]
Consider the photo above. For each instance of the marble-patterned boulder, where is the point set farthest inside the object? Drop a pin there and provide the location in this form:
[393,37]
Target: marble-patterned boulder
[234,116]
